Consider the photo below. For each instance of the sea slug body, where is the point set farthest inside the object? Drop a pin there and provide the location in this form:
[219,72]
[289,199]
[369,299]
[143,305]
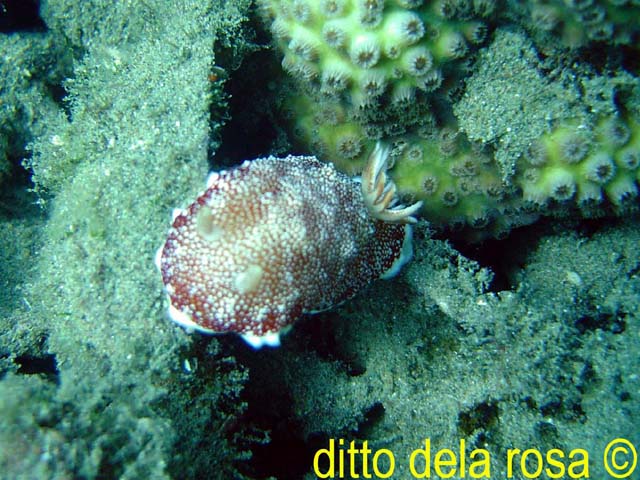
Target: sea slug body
[276,238]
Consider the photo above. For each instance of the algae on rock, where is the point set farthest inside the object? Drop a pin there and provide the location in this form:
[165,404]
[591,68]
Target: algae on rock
[129,143]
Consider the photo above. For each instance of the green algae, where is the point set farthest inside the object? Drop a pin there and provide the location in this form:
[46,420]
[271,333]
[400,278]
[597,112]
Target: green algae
[128,142]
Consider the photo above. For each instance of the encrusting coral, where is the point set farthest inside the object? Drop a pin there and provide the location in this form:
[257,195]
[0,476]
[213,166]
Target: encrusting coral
[578,22]
[570,162]
[368,70]
[359,50]
[594,169]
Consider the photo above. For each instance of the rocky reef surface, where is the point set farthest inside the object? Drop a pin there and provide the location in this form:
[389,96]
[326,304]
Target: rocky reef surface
[113,113]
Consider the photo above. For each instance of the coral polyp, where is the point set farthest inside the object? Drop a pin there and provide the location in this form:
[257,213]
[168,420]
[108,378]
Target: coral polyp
[368,70]
[408,43]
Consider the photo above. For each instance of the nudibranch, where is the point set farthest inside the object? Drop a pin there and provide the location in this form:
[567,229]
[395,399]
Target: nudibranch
[276,238]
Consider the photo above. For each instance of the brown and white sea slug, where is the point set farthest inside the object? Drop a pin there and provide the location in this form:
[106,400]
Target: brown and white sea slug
[276,238]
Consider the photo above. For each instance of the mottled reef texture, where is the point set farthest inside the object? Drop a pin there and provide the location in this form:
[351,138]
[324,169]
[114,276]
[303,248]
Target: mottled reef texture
[539,347]
[550,361]
[82,303]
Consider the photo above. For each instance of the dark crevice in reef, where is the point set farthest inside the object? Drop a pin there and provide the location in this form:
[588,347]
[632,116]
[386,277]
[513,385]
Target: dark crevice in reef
[365,430]
[38,365]
[286,456]
[321,334]
[503,257]
[490,254]
[600,320]
[506,257]
[17,199]
[589,227]
[20,16]
[371,418]
[284,453]
[481,416]
[254,127]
